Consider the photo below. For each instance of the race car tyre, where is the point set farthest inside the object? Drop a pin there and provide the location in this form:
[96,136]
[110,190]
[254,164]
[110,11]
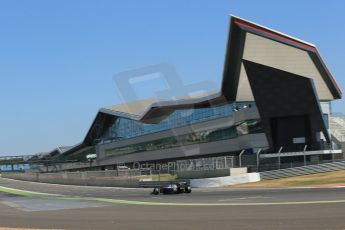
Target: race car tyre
[155,191]
[188,189]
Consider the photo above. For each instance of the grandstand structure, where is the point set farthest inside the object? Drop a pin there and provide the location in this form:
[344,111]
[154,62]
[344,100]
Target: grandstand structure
[338,130]
[15,163]
[34,161]
[274,103]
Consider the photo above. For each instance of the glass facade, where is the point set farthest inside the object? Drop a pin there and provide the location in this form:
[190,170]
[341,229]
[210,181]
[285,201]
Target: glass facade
[123,128]
[246,127]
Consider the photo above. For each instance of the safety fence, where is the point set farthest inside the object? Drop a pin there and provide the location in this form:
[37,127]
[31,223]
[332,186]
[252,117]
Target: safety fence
[304,170]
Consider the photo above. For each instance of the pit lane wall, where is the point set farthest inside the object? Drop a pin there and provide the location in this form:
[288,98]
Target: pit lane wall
[105,178]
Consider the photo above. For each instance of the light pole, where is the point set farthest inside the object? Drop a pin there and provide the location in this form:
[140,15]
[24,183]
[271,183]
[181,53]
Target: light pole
[258,159]
[240,158]
[304,156]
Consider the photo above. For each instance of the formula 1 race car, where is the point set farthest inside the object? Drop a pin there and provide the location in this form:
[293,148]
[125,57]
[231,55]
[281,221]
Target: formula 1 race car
[173,188]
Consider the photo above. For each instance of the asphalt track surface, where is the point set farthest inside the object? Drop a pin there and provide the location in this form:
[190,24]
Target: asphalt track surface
[79,207]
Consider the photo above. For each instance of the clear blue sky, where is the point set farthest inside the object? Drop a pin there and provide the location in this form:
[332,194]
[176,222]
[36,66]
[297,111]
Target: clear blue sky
[57,58]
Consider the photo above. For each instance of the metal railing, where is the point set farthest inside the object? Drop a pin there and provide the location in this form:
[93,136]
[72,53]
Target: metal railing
[304,170]
[210,163]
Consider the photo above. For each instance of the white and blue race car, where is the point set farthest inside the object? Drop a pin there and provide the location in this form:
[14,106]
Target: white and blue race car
[173,188]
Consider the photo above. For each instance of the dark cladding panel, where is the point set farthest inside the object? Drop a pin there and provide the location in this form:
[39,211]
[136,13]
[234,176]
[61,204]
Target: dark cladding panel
[232,65]
[282,96]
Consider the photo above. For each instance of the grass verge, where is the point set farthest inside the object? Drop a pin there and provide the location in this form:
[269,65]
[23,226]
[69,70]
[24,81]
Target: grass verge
[319,179]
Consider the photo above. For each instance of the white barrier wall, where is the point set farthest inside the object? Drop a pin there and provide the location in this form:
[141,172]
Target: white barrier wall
[224,181]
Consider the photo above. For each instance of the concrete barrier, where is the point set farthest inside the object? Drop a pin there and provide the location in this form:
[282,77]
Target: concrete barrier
[198,174]
[225,181]
[104,178]
[107,179]
[21,176]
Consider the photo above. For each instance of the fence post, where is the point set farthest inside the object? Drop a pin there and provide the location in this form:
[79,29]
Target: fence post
[332,155]
[279,160]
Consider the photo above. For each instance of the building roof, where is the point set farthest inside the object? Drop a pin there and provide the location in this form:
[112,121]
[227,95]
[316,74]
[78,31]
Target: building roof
[144,110]
[268,47]
[56,151]
[252,42]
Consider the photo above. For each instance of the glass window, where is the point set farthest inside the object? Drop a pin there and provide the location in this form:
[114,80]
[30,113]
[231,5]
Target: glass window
[123,128]
[247,127]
